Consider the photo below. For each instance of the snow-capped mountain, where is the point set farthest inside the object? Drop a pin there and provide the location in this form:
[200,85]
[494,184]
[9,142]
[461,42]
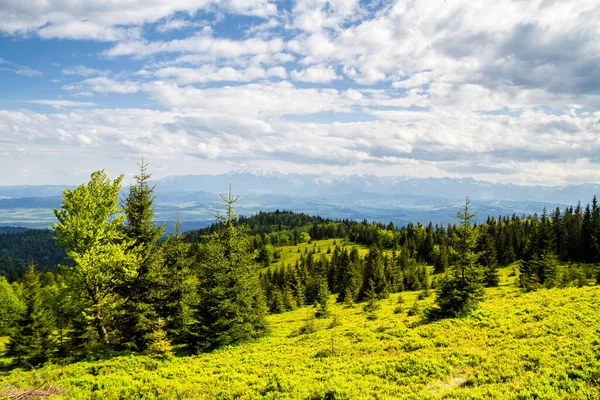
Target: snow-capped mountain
[329,185]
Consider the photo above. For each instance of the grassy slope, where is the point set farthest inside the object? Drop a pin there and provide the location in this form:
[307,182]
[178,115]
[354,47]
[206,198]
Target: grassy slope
[289,254]
[543,345]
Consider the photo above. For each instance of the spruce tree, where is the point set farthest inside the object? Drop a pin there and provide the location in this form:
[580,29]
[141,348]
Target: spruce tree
[231,305]
[487,257]
[374,272]
[174,286]
[138,315]
[322,298]
[31,341]
[461,289]
[538,267]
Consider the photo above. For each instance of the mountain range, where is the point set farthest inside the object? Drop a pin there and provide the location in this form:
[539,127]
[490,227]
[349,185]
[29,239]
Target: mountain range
[194,199]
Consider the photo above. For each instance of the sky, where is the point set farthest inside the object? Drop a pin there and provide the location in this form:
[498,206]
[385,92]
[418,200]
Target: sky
[498,90]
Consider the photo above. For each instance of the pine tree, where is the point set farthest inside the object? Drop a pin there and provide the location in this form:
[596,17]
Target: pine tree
[159,345]
[487,257]
[322,298]
[231,305]
[174,286]
[371,299]
[374,271]
[538,266]
[440,258]
[138,314]
[31,341]
[460,290]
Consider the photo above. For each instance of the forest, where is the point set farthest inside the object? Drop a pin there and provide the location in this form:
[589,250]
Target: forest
[112,283]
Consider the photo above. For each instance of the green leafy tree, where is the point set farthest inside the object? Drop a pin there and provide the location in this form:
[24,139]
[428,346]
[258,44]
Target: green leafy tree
[231,307]
[90,227]
[137,314]
[10,307]
[461,289]
[32,341]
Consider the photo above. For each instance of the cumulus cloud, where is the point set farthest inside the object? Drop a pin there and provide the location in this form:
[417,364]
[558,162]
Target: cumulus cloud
[501,90]
[496,147]
[203,44]
[258,100]
[317,74]
[210,73]
[104,21]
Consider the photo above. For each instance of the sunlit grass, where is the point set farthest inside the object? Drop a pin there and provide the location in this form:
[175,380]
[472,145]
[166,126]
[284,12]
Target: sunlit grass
[542,344]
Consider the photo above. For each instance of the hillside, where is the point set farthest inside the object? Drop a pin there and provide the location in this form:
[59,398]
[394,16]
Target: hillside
[18,249]
[542,344]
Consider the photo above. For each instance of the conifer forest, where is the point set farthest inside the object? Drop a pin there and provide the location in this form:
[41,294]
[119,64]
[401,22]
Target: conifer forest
[287,305]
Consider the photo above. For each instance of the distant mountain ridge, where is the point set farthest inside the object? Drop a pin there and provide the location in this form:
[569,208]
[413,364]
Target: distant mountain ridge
[194,199]
[272,182]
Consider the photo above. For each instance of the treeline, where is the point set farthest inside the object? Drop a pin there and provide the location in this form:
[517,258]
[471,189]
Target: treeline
[19,249]
[343,271]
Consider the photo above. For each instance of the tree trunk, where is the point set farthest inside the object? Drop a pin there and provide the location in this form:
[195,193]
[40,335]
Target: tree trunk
[100,326]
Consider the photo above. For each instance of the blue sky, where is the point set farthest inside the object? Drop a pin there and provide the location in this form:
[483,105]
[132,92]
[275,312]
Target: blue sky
[505,91]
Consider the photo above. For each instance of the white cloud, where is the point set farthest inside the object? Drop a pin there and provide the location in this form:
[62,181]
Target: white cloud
[518,147]
[63,103]
[103,84]
[18,69]
[26,71]
[278,72]
[84,71]
[174,25]
[210,73]
[264,100]
[202,44]
[434,90]
[103,20]
[317,74]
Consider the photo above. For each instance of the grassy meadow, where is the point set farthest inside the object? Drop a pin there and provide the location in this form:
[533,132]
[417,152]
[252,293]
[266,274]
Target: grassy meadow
[538,345]
[291,254]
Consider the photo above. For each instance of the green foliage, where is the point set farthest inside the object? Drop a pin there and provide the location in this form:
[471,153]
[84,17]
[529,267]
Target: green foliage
[460,291]
[33,246]
[32,341]
[90,227]
[538,267]
[371,298]
[230,302]
[323,299]
[137,314]
[516,345]
[10,306]
[175,286]
[374,276]
[159,345]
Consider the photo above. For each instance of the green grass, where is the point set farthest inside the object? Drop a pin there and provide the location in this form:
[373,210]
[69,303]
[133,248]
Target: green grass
[538,345]
[290,254]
